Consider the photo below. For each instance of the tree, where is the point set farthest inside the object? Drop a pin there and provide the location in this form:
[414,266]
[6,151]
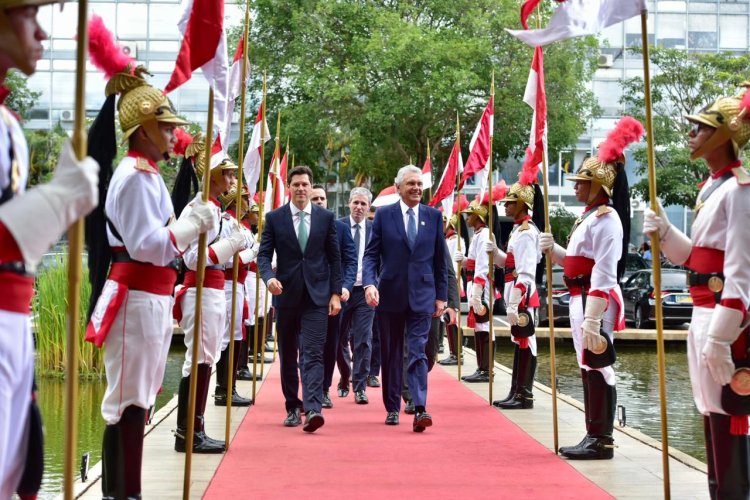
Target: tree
[684,83]
[21,99]
[382,77]
[561,224]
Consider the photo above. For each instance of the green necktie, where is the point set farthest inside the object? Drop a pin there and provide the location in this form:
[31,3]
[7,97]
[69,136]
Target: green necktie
[302,231]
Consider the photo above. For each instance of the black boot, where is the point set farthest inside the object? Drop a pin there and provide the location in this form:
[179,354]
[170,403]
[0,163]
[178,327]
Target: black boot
[452,334]
[513,381]
[243,369]
[133,427]
[471,375]
[481,341]
[598,443]
[524,397]
[712,484]
[238,400]
[201,442]
[113,463]
[222,384]
[730,457]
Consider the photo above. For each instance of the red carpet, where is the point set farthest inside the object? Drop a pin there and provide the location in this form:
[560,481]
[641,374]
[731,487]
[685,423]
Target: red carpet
[472,451]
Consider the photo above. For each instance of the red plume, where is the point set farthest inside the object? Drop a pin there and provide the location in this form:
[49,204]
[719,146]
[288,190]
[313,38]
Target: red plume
[627,131]
[499,191]
[464,203]
[104,52]
[530,171]
[745,104]
[183,141]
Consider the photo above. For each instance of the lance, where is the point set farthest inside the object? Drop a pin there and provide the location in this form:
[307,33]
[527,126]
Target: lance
[75,239]
[656,263]
[197,327]
[491,264]
[275,180]
[459,337]
[238,209]
[260,233]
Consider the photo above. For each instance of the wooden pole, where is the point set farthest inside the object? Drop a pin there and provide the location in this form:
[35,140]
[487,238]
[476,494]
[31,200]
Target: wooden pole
[491,264]
[656,263]
[75,239]
[459,337]
[197,326]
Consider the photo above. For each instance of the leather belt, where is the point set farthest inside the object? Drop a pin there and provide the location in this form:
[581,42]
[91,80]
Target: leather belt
[581,281]
[124,257]
[714,281]
[15,267]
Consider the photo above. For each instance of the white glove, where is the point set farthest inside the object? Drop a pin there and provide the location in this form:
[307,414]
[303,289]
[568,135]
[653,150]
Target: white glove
[38,217]
[722,331]
[547,244]
[674,243]
[592,324]
[498,256]
[249,254]
[512,307]
[458,256]
[226,247]
[198,217]
[475,302]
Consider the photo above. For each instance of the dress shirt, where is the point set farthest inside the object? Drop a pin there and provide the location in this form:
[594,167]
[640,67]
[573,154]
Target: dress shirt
[404,208]
[362,245]
[296,219]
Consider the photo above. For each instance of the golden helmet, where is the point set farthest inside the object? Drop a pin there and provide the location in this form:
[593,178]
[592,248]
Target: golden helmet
[230,197]
[520,192]
[9,43]
[218,161]
[480,210]
[723,115]
[451,221]
[598,173]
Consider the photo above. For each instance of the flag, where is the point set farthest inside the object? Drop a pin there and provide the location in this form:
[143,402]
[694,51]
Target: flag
[252,163]
[204,46]
[387,196]
[578,18]
[234,87]
[536,97]
[480,145]
[447,186]
[276,195]
[427,174]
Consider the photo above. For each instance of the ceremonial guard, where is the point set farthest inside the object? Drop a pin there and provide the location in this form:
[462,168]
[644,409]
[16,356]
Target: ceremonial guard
[521,264]
[719,262]
[451,239]
[30,223]
[213,310]
[231,225]
[477,269]
[593,265]
[250,221]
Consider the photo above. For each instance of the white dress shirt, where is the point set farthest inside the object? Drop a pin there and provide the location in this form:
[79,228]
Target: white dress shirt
[404,208]
[362,245]
[296,218]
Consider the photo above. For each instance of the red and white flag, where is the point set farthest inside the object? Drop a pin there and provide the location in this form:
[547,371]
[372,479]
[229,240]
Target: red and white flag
[276,195]
[427,174]
[577,18]
[536,97]
[480,147]
[387,196]
[204,46]
[252,164]
[447,186]
[234,87]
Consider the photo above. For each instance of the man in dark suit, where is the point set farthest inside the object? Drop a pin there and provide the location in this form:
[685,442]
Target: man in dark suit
[357,315]
[307,289]
[348,272]
[409,246]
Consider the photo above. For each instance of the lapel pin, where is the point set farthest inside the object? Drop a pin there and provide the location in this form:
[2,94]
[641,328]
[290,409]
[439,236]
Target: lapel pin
[422,223]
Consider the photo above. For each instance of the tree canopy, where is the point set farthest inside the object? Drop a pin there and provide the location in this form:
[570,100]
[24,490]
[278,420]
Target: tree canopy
[377,79]
[683,84]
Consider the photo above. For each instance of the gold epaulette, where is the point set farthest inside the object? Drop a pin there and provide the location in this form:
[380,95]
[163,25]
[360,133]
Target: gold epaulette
[524,226]
[144,166]
[603,210]
[743,178]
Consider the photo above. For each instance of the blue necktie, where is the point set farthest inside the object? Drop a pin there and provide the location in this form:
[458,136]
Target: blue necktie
[411,228]
[357,238]
[302,231]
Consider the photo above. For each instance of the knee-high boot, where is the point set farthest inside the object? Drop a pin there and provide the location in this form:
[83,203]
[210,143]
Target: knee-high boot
[243,369]
[201,442]
[481,340]
[223,384]
[602,401]
[730,457]
[710,457]
[513,380]
[524,397]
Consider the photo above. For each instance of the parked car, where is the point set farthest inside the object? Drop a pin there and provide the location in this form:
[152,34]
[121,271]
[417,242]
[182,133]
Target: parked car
[638,295]
[560,298]
[634,262]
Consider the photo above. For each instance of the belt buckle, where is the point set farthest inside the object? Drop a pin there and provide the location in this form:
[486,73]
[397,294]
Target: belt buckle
[740,382]
[715,284]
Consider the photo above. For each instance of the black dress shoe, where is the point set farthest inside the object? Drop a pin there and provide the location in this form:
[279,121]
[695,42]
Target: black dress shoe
[521,401]
[220,398]
[372,381]
[478,377]
[264,360]
[451,360]
[202,444]
[360,398]
[327,403]
[293,418]
[244,374]
[590,448]
[313,421]
[476,372]
[343,389]
[422,420]
[409,409]
[392,418]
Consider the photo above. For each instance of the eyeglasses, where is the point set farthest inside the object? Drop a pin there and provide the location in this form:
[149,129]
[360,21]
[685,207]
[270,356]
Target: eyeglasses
[697,127]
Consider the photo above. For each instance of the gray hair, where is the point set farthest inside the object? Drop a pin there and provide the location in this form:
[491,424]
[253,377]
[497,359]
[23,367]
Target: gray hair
[360,191]
[407,169]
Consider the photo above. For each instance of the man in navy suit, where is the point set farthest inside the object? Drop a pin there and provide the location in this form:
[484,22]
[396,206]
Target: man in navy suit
[409,246]
[307,289]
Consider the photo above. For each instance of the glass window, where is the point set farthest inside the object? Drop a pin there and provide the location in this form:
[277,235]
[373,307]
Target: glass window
[65,23]
[40,82]
[58,44]
[670,30]
[63,90]
[734,8]
[64,64]
[131,21]
[107,12]
[670,6]
[162,21]
[702,7]
[613,35]
[44,17]
[164,46]
[702,32]
[633,31]
[161,66]
[732,32]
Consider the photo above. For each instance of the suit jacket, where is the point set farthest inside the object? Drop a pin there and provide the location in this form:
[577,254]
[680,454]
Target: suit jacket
[409,279]
[318,269]
[348,255]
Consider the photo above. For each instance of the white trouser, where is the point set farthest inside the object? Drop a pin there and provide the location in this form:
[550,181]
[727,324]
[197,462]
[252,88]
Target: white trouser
[484,327]
[250,294]
[16,378]
[608,325]
[135,352]
[213,312]
[706,392]
[240,302]
[532,339]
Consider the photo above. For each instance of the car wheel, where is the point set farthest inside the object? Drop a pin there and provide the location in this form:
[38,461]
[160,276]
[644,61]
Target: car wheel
[638,319]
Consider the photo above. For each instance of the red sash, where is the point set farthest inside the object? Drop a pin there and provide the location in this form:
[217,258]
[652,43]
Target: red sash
[17,292]
[705,261]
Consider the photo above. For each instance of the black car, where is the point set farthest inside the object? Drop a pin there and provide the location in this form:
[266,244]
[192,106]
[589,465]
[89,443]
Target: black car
[638,293]
[634,262]
[560,298]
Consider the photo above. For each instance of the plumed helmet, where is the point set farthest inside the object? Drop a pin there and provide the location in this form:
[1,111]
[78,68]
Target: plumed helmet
[523,190]
[728,115]
[481,207]
[595,171]
[522,193]
[218,162]
[478,209]
[9,43]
